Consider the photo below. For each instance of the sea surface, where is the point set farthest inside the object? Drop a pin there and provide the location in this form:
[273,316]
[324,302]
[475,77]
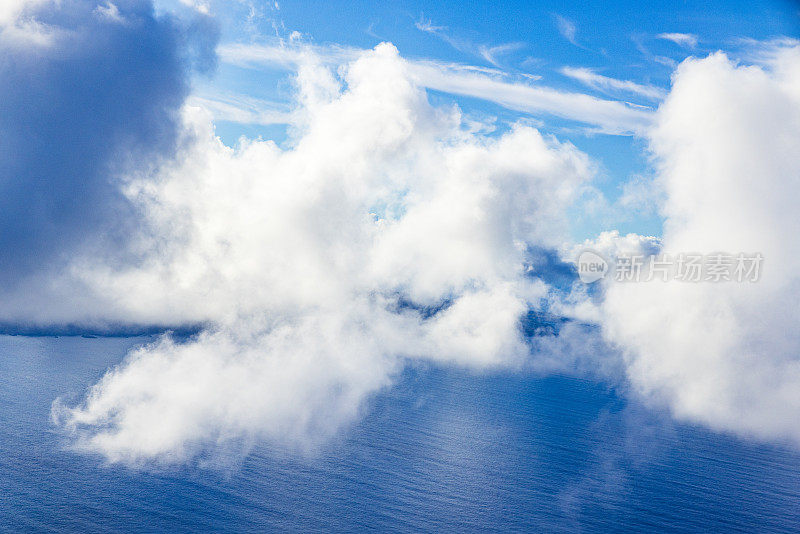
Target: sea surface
[444,450]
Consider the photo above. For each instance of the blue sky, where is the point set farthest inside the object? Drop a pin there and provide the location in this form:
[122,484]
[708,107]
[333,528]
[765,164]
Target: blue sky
[622,51]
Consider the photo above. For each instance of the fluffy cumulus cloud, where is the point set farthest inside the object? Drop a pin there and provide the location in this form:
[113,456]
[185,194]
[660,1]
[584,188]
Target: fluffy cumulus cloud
[724,354]
[386,229]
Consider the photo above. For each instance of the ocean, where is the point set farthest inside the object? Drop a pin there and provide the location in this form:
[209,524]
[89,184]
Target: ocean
[442,450]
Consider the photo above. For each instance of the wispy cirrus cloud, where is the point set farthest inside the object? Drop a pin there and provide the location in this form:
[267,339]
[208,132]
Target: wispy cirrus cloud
[686,40]
[608,116]
[491,53]
[427,25]
[284,54]
[567,28]
[639,41]
[592,79]
[242,109]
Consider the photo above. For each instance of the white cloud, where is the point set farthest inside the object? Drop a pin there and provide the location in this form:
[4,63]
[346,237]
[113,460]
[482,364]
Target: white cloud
[597,81]
[567,28]
[109,11]
[19,26]
[201,6]
[608,116]
[427,25]
[661,60]
[492,54]
[686,40]
[10,10]
[242,109]
[285,55]
[641,195]
[611,245]
[724,354]
[316,268]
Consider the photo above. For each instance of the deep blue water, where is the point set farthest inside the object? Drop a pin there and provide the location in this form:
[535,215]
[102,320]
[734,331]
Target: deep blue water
[443,450]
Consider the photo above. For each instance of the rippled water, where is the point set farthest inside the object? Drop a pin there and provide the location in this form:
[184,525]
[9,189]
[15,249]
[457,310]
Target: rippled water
[442,450]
